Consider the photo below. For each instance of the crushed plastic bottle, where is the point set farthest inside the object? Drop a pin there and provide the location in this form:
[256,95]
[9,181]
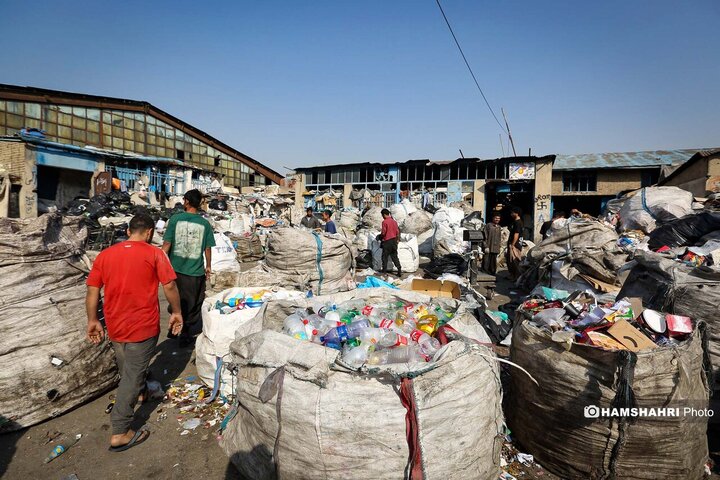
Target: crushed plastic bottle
[405,354]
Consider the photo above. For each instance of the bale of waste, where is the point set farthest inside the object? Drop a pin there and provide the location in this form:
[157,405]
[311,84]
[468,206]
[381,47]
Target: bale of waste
[248,248]
[407,254]
[301,415]
[320,262]
[372,218]
[448,232]
[667,285]
[400,211]
[219,331]
[224,256]
[466,208]
[348,219]
[552,421]
[419,223]
[652,205]
[48,367]
[237,224]
[589,246]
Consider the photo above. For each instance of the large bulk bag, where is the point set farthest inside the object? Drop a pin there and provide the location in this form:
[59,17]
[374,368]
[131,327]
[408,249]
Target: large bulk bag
[400,211]
[670,286]
[47,367]
[224,256]
[300,415]
[317,261]
[248,248]
[553,420]
[407,254]
[237,224]
[372,218]
[347,219]
[654,204]
[219,331]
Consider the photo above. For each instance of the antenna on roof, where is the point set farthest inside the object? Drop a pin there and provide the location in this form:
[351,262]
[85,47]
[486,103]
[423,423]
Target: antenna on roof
[508,132]
[461,154]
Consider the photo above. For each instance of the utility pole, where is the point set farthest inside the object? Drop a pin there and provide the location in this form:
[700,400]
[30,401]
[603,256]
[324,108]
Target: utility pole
[508,131]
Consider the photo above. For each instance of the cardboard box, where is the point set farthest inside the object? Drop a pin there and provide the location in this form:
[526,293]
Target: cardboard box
[436,288]
[631,337]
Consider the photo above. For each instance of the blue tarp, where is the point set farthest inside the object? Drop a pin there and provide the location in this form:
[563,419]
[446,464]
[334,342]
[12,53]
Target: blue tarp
[373,282]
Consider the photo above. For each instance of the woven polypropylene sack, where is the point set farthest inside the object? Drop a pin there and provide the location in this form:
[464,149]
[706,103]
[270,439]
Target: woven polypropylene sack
[550,420]
[294,253]
[651,205]
[46,365]
[407,254]
[302,416]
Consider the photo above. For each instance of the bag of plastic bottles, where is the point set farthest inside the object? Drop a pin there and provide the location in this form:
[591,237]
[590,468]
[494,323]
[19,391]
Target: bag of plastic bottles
[323,419]
[226,316]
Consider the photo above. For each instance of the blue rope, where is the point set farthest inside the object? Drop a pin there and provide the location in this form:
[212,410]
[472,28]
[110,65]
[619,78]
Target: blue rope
[644,204]
[318,260]
[217,380]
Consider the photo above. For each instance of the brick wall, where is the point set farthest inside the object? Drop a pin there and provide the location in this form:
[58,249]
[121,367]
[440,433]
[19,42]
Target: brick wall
[609,182]
[12,158]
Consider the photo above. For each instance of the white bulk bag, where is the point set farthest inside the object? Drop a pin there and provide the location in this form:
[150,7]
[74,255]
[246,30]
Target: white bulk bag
[224,256]
[407,253]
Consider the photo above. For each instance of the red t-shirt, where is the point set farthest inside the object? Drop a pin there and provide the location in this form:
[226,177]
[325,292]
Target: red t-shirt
[130,273]
[390,229]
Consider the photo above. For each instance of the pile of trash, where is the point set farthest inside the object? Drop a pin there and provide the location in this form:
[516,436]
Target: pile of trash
[196,405]
[48,366]
[647,207]
[313,261]
[227,316]
[622,325]
[300,400]
[448,231]
[602,381]
[664,283]
[376,334]
[579,254]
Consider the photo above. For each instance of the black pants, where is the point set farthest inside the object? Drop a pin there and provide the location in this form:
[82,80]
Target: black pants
[192,295]
[489,263]
[390,250]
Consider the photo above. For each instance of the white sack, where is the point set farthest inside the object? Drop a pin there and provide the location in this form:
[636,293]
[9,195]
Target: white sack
[407,253]
[224,256]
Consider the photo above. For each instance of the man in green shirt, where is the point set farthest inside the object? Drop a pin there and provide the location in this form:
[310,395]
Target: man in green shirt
[187,237]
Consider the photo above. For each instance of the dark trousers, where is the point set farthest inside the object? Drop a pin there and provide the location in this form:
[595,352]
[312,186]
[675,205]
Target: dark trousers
[489,263]
[390,250]
[133,360]
[192,295]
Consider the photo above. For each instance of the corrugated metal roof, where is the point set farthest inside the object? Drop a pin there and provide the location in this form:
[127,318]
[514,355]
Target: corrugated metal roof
[651,158]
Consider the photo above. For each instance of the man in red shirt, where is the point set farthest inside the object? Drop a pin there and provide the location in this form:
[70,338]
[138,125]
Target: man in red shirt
[389,237]
[130,272]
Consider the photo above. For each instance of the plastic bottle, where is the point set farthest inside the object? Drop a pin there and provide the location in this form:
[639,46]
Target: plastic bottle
[392,339]
[428,344]
[295,327]
[372,335]
[332,314]
[343,332]
[428,324]
[56,452]
[357,356]
[395,355]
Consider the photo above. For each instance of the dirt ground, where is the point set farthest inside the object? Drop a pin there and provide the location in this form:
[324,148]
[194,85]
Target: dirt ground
[166,454]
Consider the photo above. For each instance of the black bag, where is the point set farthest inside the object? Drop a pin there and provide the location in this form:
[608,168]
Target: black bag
[497,333]
[684,231]
[451,263]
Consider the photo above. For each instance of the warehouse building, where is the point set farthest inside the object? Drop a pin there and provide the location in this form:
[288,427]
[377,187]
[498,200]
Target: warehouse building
[485,184]
[699,175]
[587,181]
[127,127]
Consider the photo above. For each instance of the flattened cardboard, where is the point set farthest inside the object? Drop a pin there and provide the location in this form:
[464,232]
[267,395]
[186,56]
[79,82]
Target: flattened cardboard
[631,337]
[436,288]
[636,305]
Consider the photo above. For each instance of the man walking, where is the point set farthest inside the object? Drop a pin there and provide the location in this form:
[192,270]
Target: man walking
[389,238]
[130,272]
[309,220]
[514,249]
[329,224]
[492,243]
[187,237]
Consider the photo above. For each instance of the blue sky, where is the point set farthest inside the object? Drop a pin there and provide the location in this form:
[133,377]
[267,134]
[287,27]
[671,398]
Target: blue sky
[298,83]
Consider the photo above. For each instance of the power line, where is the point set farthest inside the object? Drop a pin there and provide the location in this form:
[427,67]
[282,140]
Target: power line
[477,84]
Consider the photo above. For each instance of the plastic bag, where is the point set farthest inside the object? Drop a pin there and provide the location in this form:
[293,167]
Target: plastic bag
[685,231]
[452,263]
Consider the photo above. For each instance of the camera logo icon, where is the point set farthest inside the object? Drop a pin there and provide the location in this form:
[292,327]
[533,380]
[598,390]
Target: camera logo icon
[591,411]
